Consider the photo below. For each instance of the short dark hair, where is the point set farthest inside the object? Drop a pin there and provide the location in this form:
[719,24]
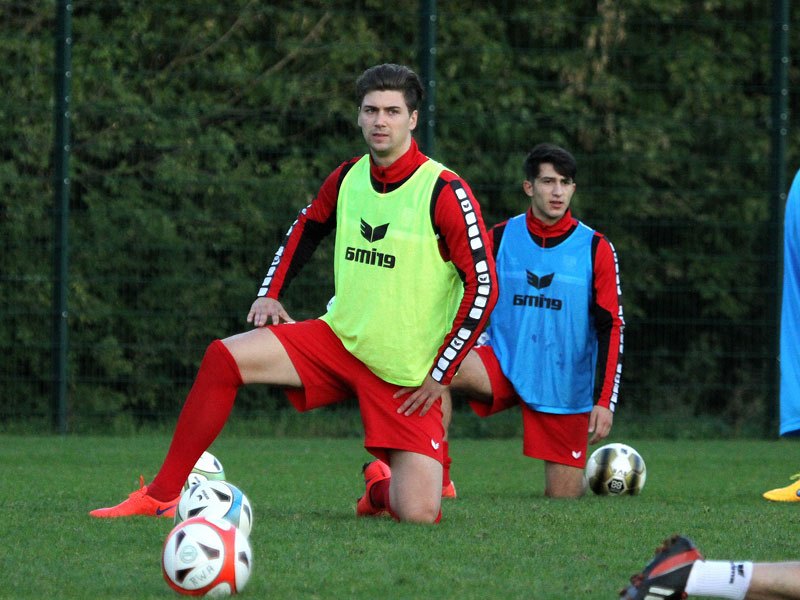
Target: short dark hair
[391,77]
[563,162]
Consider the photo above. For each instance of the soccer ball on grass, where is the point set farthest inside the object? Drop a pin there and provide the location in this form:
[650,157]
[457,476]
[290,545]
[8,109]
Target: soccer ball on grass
[207,468]
[616,469]
[216,500]
[206,557]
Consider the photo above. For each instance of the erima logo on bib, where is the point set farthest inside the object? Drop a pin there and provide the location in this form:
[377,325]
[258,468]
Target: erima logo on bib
[371,256]
[538,282]
[539,301]
[373,234]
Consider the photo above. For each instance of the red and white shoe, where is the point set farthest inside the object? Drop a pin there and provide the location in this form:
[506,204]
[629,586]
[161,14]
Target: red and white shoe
[665,577]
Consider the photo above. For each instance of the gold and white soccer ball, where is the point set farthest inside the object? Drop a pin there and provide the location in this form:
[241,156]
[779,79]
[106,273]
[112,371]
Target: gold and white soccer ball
[616,469]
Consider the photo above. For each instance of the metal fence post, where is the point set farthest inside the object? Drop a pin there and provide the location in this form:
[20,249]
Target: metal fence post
[780,127]
[427,65]
[61,150]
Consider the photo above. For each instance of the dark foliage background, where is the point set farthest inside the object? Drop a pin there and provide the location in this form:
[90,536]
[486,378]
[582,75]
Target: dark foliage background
[200,129]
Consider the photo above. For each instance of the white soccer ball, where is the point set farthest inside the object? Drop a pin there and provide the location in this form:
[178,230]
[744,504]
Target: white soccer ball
[206,557]
[216,500]
[616,469]
[207,468]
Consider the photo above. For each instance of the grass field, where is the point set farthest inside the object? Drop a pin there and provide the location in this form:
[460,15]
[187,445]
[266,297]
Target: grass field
[500,539]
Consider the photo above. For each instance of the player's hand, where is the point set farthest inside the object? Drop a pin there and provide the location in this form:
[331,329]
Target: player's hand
[600,421]
[423,396]
[264,309]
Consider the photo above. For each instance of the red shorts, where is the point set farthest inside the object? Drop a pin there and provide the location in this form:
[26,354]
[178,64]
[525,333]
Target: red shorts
[331,374]
[553,437]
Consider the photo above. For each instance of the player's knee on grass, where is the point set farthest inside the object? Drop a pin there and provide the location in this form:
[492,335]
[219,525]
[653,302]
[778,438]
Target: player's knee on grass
[415,493]
[562,481]
[418,512]
[561,492]
[416,503]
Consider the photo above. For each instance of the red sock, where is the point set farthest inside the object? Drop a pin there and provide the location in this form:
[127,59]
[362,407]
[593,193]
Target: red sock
[204,414]
[446,465]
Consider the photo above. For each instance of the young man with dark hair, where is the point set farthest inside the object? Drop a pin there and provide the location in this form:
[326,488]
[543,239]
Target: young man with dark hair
[558,321]
[414,287]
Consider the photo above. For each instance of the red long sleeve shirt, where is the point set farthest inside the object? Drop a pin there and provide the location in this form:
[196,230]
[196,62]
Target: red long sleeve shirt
[474,262]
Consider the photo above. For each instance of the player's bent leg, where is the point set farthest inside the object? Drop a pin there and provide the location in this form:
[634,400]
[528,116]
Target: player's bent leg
[563,481]
[472,378]
[415,493]
[261,358]
[203,416]
[254,356]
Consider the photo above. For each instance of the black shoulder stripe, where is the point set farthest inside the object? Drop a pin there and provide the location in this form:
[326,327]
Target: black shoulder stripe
[343,173]
[497,237]
[595,243]
[437,189]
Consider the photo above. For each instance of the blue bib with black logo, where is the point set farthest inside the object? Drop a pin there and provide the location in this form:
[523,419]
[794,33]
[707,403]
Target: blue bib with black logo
[541,329]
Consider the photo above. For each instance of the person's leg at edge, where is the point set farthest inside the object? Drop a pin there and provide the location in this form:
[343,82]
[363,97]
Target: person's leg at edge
[680,570]
[415,491]
[774,580]
[563,481]
[752,580]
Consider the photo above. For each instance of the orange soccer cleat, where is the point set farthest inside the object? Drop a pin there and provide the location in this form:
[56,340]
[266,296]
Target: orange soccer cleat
[449,491]
[375,471]
[139,503]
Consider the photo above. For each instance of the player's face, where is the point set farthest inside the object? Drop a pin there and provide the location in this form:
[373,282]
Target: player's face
[386,124]
[550,194]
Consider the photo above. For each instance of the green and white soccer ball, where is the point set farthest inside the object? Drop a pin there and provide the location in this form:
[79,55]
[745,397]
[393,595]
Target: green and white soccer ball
[615,470]
[207,468]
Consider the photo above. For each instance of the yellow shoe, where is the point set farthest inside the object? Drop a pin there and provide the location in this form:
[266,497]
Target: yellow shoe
[790,493]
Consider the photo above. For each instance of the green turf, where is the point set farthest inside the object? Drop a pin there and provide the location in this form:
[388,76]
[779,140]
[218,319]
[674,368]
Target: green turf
[500,539]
